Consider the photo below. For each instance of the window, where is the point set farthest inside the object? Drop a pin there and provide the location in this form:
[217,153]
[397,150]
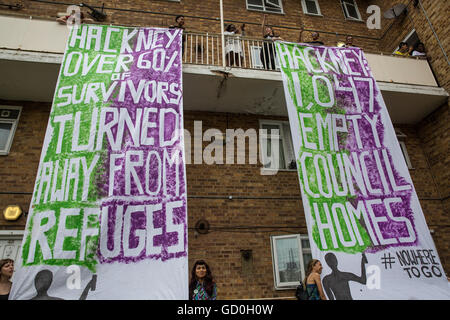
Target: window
[350,10]
[401,140]
[311,7]
[412,39]
[9,117]
[255,51]
[10,244]
[290,255]
[273,6]
[276,145]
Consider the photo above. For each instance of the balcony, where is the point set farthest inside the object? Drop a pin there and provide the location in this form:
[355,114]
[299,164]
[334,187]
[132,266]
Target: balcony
[31,52]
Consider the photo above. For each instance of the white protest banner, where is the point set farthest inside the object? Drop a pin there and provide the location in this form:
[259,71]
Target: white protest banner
[108,214]
[364,219]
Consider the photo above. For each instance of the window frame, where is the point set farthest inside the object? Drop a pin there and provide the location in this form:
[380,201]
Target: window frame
[255,50]
[345,10]
[288,285]
[400,138]
[305,8]
[263,5]
[282,136]
[407,38]
[12,132]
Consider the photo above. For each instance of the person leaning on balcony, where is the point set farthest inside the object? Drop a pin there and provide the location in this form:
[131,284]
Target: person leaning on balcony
[349,42]
[404,49]
[65,19]
[179,20]
[202,285]
[233,48]
[267,53]
[6,272]
[315,38]
[419,51]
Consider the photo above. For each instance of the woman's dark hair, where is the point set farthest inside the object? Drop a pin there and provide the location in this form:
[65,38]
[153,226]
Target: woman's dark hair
[311,265]
[402,44]
[178,17]
[228,28]
[208,281]
[418,45]
[5,261]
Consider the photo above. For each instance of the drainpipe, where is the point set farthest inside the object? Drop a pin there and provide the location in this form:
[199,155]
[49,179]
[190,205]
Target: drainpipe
[222,30]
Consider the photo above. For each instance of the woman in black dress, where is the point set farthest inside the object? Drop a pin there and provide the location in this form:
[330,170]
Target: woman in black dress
[267,54]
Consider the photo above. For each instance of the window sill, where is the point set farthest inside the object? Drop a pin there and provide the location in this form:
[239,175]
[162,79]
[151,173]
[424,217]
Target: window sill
[282,170]
[285,288]
[265,11]
[313,14]
[354,20]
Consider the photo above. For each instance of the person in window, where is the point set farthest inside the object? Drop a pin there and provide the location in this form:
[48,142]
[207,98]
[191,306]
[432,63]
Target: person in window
[315,38]
[419,51]
[403,50]
[82,17]
[202,285]
[233,48]
[312,281]
[6,272]
[267,53]
[179,24]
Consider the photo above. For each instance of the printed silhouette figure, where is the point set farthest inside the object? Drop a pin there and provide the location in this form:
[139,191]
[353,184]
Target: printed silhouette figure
[336,284]
[44,279]
[90,286]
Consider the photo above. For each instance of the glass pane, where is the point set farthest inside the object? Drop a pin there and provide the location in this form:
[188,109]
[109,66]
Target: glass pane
[352,12]
[307,257]
[255,3]
[273,3]
[5,130]
[282,163]
[305,244]
[271,127]
[311,7]
[288,259]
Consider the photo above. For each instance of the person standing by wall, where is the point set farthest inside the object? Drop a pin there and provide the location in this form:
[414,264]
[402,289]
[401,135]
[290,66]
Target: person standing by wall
[233,48]
[312,281]
[202,285]
[6,272]
[267,54]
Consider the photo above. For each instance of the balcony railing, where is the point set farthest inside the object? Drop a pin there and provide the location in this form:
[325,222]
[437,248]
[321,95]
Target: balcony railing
[258,54]
[47,38]
[240,52]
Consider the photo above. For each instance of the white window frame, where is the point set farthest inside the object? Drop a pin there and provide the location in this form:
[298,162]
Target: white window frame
[263,8]
[287,145]
[14,235]
[255,51]
[288,285]
[346,14]
[305,8]
[400,138]
[12,133]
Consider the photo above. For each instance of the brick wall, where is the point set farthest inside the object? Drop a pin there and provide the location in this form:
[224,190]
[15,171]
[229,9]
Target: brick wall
[19,168]
[433,130]
[261,206]
[204,16]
